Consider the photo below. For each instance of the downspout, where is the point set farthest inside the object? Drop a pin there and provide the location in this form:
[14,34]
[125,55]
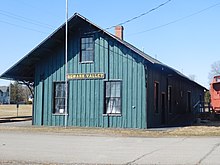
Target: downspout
[146,90]
[66,68]
[108,80]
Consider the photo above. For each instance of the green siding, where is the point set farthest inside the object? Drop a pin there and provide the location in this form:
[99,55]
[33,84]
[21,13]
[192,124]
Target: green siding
[86,97]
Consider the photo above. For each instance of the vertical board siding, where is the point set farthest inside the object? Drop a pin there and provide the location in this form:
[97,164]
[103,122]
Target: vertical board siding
[86,97]
[125,66]
[86,100]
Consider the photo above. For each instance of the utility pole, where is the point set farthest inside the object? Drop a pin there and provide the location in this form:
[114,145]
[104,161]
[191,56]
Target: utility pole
[66,68]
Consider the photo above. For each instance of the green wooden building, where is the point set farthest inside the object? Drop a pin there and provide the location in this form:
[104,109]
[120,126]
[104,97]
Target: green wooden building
[110,82]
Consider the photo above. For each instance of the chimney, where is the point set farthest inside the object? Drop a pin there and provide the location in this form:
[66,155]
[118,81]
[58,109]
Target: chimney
[119,32]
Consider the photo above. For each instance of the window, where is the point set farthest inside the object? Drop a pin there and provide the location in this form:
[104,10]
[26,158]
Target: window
[59,97]
[170,99]
[112,97]
[156,97]
[87,49]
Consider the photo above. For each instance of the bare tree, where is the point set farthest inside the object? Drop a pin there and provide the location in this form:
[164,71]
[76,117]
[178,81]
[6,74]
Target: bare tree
[16,94]
[19,93]
[215,70]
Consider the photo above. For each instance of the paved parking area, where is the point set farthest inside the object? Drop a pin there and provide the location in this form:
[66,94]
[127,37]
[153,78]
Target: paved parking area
[60,148]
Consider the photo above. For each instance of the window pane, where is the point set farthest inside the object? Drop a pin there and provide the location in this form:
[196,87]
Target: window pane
[113,105]
[87,40]
[87,49]
[83,56]
[83,40]
[63,93]
[113,89]
[108,105]
[90,40]
[117,89]
[60,90]
[86,56]
[90,56]
[90,46]
[83,46]
[60,105]
[108,89]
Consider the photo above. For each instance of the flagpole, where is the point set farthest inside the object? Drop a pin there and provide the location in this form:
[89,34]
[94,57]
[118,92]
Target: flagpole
[66,66]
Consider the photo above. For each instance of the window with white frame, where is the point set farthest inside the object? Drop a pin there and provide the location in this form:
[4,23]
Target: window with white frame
[87,49]
[59,97]
[112,97]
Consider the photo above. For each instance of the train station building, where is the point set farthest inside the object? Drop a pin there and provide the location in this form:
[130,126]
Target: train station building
[111,83]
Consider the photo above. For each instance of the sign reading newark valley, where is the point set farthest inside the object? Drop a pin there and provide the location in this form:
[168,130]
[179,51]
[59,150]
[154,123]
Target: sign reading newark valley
[85,76]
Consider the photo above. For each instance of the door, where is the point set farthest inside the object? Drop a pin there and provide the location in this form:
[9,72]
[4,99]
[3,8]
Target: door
[163,109]
[188,101]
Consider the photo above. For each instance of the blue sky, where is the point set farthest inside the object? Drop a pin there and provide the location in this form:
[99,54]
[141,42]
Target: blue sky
[189,43]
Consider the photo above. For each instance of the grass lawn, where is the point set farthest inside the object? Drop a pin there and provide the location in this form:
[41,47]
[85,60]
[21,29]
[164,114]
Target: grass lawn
[11,110]
[211,128]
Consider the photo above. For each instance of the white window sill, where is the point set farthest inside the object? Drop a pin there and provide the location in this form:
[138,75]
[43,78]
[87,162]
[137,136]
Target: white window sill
[59,114]
[113,114]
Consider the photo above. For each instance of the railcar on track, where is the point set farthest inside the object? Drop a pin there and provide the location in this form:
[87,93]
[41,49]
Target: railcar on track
[215,94]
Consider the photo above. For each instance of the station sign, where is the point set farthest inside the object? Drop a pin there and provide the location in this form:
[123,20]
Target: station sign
[85,76]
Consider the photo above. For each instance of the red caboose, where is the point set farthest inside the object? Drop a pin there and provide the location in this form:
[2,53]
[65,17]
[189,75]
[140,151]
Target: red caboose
[215,94]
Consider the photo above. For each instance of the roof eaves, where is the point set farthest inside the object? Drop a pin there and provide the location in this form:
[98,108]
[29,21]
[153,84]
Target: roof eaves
[4,75]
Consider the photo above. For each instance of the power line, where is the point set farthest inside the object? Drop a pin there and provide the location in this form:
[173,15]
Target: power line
[132,19]
[177,20]
[23,27]
[34,22]
[141,15]
[24,19]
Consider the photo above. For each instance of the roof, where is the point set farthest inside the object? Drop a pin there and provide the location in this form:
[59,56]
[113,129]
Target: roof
[24,69]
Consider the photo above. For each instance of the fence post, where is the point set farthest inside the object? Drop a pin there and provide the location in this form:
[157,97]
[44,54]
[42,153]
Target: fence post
[17,108]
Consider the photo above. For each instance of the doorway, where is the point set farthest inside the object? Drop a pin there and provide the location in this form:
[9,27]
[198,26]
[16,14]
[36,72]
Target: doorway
[188,101]
[163,109]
